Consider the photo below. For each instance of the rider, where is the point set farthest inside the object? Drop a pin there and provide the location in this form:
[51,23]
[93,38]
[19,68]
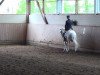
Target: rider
[68,24]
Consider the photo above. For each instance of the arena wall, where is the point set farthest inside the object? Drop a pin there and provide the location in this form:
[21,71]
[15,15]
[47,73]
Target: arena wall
[13,29]
[88,29]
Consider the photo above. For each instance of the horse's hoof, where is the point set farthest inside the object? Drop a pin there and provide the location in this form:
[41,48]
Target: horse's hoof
[67,50]
[64,49]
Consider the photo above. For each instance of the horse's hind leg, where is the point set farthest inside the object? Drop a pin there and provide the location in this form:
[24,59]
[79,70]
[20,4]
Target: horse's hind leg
[68,45]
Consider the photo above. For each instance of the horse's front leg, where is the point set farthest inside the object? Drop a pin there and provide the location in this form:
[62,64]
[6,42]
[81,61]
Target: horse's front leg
[65,46]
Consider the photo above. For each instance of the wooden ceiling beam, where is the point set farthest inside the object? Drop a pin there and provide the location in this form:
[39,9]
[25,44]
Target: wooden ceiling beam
[1,2]
[42,12]
[28,7]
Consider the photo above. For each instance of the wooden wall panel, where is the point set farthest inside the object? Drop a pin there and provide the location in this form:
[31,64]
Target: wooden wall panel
[12,33]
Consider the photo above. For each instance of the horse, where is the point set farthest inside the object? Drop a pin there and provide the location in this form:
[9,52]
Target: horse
[69,36]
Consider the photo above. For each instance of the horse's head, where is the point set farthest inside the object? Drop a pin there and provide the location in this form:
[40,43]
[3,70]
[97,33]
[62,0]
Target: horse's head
[62,31]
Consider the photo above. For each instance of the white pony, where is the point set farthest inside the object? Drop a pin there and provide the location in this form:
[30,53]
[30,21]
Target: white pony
[69,36]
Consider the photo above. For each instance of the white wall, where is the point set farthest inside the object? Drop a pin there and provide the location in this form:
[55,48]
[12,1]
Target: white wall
[4,18]
[92,20]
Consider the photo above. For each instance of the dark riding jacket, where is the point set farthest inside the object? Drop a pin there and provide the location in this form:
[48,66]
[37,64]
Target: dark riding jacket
[68,25]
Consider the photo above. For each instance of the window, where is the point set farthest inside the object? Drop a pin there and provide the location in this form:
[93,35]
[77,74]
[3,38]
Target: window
[21,7]
[34,7]
[50,6]
[86,6]
[13,7]
[97,6]
[68,6]
[82,6]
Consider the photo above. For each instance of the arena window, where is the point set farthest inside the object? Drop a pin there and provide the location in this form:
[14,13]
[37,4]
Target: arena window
[13,7]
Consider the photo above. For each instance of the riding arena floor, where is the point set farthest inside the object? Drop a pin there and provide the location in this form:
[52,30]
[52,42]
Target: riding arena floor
[45,60]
